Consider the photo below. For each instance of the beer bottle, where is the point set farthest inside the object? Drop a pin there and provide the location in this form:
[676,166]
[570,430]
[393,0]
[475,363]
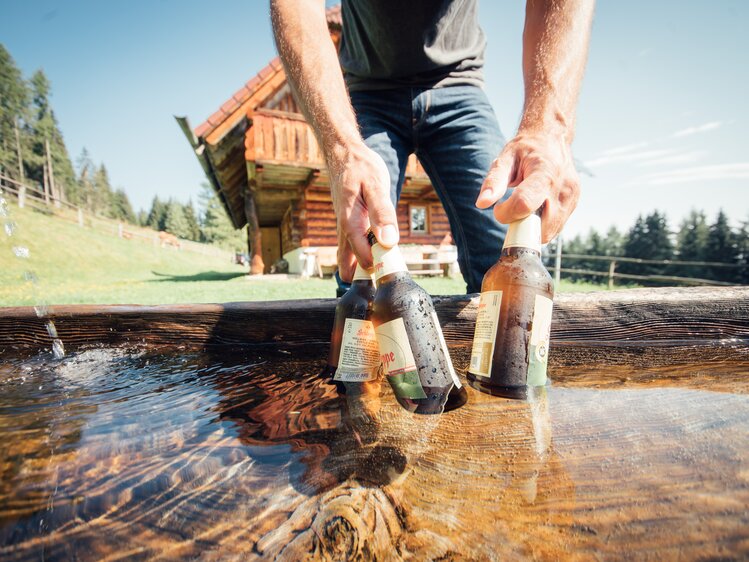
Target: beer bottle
[413,351]
[353,356]
[511,339]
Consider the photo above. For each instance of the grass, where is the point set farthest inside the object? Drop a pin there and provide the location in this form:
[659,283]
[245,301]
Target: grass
[67,264]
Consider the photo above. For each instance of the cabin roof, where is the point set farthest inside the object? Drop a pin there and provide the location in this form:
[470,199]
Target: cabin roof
[247,136]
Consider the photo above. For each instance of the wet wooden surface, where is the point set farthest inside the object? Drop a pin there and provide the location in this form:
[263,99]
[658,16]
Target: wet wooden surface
[626,317]
[220,449]
[133,456]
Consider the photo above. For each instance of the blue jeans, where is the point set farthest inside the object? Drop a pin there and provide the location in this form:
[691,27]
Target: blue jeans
[454,133]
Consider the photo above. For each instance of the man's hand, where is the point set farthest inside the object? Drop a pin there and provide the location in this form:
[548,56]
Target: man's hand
[540,168]
[538,161]
[360,187]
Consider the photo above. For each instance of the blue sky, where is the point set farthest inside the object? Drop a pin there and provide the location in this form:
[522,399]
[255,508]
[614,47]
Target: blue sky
[661,119]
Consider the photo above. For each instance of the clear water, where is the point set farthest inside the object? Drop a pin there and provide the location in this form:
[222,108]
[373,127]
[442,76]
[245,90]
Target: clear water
[111,453]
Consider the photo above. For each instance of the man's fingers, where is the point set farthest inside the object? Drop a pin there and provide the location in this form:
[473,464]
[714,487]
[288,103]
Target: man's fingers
[346,258]
[525,199]
[495,184]
[557,212]
[382,214]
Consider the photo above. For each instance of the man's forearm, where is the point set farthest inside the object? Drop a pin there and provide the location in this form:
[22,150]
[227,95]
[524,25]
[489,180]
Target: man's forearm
[555,47]
[312,68]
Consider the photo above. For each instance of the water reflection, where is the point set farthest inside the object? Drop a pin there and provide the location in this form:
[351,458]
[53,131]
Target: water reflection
[111,453]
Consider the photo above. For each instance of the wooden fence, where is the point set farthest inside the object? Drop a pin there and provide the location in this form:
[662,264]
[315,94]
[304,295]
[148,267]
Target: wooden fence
[612,274]
[28,196]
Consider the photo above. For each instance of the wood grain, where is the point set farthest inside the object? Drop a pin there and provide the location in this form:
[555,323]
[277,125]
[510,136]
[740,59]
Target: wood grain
[626,318]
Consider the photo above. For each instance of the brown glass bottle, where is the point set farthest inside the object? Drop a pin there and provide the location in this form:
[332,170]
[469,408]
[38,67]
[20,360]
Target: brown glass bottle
[511,339]
[353,356]
[414,355]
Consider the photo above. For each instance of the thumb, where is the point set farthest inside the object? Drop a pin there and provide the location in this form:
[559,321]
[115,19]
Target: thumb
[382,215]
[495,184]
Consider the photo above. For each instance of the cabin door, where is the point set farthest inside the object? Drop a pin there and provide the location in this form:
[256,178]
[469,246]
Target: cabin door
[271,245]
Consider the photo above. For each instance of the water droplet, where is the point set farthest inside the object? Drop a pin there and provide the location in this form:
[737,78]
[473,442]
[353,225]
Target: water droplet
[58,349]
[10,228]
[21,252]
[51,329]
[41,310]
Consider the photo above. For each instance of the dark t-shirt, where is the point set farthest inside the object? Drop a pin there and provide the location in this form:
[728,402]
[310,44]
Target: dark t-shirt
[423,43]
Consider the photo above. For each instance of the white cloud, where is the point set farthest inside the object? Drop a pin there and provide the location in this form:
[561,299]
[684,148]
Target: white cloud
[625,148]
[679,158]
[629,157]
[733,171]
[698,129]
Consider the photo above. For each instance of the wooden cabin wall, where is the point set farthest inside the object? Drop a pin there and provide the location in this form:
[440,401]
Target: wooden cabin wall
[317,219]
[438,225]
[291,236]
[317,224]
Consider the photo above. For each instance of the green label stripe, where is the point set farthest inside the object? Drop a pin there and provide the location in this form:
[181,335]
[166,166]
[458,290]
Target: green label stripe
[407,385]
[537,364]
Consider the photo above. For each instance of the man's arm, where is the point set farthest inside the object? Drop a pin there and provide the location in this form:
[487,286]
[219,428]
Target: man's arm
[359,181]
[538,161]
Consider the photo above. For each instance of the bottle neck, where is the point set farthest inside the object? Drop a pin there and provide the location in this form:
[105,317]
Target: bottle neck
[525,233]
[387,261]
[515,251]
[361,274]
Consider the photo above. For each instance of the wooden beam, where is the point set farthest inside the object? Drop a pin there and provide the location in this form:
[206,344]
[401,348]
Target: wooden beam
[608,320]
[254,234]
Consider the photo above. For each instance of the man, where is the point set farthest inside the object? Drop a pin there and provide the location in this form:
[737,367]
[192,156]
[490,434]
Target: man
[414,72]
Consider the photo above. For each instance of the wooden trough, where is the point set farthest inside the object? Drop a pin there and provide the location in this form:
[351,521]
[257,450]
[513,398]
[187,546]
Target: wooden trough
[639,448]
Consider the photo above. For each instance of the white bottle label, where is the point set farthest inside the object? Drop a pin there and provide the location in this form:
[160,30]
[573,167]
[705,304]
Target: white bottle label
[538,354]
[398,359]
[443,343]
[359,359]
[387,261]
[485,334]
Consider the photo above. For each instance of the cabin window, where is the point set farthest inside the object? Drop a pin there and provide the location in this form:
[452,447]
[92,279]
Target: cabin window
[419,219]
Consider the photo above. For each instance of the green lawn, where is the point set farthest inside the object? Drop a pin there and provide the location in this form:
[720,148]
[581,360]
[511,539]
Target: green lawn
[67,264]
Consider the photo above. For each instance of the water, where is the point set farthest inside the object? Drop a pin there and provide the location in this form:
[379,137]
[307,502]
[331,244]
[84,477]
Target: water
[245,455]
[22,252]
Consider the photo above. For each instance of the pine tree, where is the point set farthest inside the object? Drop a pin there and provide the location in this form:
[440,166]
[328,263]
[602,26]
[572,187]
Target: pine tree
[192,222]
[176,222]
[85,195]
[157,215]
[691,244]
[216,227]
[103,195]
[614,242]
[649,239]
[121,209]
[14,100]
[722,247]
[46,133]
[742,245]
[142,218]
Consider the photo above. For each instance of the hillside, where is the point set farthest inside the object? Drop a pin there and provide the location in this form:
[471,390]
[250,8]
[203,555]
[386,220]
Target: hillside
[70,264]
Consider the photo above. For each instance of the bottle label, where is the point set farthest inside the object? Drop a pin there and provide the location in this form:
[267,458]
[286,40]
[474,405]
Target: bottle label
[539,344]
[359,359]
[398,360]
[443,343]
[361,274]
[485,334]
[387,261]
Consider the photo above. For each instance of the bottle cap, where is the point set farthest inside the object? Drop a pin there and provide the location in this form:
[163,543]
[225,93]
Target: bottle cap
[524,233]
[385,260]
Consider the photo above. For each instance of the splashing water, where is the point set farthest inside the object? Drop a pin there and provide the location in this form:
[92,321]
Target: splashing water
[22,252]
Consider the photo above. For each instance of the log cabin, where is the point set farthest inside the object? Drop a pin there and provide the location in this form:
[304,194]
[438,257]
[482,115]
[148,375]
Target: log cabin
[262,159]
